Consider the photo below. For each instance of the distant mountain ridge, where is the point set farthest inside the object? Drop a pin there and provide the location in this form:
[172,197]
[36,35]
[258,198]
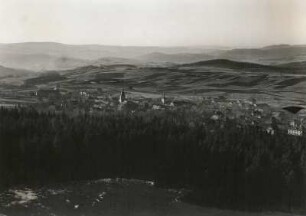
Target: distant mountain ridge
[44,56]
[39,62]
[92,52]
[277,54]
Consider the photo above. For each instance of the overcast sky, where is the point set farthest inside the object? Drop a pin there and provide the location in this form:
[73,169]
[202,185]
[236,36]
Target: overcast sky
[154,22]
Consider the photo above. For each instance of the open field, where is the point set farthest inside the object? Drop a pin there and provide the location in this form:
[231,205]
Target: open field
[277,86]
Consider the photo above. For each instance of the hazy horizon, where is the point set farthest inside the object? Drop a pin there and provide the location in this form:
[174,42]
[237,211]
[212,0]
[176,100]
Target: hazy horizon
[213,46]
[162,23]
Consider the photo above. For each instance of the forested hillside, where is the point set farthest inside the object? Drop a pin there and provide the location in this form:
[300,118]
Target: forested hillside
[224,164]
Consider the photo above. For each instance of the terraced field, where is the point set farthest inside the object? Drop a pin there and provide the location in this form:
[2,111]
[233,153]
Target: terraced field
[276,85]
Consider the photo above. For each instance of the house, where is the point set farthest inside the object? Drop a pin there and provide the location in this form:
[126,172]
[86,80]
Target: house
[156,107]
[295,132]
[295,128]
[270,130]
[215,117]
[84,94]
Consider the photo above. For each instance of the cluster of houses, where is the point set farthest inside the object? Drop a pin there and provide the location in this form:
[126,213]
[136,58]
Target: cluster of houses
[249,112]
[91,101]
[291,119]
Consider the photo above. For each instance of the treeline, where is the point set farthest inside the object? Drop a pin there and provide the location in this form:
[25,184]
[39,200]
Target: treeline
[225,164]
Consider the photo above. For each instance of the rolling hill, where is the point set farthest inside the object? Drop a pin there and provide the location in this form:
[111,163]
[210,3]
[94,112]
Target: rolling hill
[277,54]
[229,64]
[178,58]
[42,56]
[297,65]
[39,62]
[213,77]
[10,72]
[274,72]
[114,61]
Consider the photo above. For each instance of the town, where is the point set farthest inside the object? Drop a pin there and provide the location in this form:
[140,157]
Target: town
[290,120]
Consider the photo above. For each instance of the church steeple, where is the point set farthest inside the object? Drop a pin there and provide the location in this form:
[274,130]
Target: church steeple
[122,97]
[163,99]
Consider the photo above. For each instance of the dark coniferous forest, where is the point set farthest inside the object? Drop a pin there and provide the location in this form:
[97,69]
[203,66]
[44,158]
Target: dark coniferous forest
[223,164]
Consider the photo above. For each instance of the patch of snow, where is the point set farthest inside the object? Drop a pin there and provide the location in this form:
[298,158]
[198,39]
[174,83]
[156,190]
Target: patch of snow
[179,193]
[99,199]
[105,180]
[176,200]
[101,195]
[151,183]
[135,181]
[23,196]
[123,180]
[56,192]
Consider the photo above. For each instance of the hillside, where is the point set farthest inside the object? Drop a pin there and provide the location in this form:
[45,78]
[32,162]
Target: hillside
[91,52]
[297,65]
[10,72]
[228,64]
[39,61]
[115,60]
[277,54]
[178,58]
[96,196]
[42,56]
[214,77]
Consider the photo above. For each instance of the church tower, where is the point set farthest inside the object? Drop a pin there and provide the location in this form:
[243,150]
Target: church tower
[122,97]
[163,99]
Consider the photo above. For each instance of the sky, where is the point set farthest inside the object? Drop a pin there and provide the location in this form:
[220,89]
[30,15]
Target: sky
[155,22]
